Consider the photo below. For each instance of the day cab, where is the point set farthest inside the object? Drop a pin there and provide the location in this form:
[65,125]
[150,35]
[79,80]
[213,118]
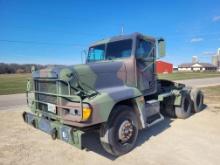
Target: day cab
[116,92]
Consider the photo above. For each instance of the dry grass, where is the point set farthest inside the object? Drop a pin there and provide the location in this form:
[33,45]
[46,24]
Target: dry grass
[13,83]
[212,94]
[188,75]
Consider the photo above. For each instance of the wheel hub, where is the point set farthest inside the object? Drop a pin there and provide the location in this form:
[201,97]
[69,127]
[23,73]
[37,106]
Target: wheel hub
[125,131]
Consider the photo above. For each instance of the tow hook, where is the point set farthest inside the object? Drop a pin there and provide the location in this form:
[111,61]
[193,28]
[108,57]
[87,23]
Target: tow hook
[53,133]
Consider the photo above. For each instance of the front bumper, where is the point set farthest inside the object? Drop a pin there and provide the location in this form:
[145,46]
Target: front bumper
[56,129]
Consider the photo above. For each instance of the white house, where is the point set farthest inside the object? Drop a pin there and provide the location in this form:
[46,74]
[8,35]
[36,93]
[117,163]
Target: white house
[197,67]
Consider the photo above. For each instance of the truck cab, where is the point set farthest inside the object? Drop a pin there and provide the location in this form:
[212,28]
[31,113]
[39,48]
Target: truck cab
[136,53]
[116,92]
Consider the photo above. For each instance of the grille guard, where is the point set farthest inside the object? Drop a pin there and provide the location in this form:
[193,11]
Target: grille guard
[70,97]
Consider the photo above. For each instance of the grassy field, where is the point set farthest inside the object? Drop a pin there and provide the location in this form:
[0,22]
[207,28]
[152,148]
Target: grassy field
[13,83]
[212,91]
[188,75]
[16,83]
[212,94]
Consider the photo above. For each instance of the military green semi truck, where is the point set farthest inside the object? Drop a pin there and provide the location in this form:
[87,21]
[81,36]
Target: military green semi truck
[116,92]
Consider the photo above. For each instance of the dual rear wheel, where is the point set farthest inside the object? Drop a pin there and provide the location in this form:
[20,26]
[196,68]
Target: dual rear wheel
[197,98]
[184,110]
[191,103]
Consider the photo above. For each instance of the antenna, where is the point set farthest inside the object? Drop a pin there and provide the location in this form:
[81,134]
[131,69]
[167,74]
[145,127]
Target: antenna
[122,29]
[82,59]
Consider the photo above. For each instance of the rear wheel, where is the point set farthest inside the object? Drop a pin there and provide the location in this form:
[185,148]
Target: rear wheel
[119,134]
[184,110]
[197,100]
[167,107]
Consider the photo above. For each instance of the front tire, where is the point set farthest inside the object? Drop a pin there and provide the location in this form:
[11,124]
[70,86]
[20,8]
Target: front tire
[118,136]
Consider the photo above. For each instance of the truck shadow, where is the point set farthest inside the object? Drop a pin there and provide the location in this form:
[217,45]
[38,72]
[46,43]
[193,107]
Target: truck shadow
[92,142]
[204,106]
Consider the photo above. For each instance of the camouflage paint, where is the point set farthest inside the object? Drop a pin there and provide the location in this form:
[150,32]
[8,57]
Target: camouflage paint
[100,84]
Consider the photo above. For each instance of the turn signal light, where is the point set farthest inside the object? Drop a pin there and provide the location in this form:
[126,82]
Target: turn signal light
[87,111]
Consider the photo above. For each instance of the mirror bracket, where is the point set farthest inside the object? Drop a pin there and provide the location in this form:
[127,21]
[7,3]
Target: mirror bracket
[161,48]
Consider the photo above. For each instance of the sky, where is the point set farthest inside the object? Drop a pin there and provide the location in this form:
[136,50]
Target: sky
[57,31]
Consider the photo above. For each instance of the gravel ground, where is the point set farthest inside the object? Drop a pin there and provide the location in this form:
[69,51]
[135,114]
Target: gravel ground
[195,140]
[204,82]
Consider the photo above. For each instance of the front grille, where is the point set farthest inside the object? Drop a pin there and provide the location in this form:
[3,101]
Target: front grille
[58,93]
[42,107]
[47,98]
[51,87]
[47,87]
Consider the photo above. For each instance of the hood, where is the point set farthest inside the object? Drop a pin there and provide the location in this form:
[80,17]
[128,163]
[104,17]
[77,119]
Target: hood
[102,75]
[95,75]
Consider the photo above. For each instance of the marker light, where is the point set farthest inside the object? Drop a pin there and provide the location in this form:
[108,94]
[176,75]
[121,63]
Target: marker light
[86,113]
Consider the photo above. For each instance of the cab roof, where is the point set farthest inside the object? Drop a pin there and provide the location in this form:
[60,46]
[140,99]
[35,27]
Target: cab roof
[122,37]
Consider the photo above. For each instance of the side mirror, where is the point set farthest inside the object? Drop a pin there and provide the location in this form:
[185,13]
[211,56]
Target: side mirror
[161,48]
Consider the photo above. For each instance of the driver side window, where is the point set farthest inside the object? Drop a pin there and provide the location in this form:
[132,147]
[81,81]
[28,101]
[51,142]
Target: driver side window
[145,49]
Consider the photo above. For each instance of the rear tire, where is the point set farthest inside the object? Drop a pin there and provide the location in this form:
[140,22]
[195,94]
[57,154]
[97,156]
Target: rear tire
[118,136]
[184,110]
[197,100]
[167,107]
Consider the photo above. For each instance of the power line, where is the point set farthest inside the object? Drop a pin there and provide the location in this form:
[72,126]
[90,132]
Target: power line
[86,45]
[42,43]
[61,31]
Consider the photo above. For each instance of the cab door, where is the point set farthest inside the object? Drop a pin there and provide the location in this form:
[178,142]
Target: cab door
[145,59]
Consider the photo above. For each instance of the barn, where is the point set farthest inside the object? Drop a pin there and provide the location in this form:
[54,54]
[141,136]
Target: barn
[164,67]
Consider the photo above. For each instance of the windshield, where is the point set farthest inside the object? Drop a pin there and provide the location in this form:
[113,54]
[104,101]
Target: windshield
[110,51]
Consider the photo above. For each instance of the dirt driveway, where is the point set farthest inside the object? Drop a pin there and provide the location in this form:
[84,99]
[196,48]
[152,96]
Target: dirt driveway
[195,140]
[214,81]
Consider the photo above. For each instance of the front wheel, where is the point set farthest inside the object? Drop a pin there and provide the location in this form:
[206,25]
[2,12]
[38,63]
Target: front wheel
[119,134]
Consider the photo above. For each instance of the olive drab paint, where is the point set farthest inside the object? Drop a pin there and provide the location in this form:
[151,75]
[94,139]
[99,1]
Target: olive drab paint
[67,101]
[100,84]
